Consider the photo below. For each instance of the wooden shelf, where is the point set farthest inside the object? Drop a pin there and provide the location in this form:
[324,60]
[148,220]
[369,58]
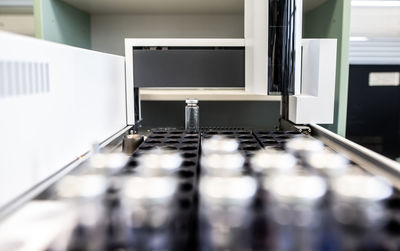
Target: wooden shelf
[169,6]
[148,94]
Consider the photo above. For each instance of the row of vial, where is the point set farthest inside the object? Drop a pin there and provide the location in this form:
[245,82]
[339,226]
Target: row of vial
[303,198]
[308,197]
[119,211]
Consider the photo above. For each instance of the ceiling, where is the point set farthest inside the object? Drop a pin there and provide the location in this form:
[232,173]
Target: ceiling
[16,6]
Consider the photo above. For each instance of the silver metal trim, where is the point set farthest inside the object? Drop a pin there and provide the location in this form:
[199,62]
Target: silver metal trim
[110,144]
[365,158]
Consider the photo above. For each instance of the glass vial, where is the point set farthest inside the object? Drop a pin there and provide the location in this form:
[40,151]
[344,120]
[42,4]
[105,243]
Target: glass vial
[192,115]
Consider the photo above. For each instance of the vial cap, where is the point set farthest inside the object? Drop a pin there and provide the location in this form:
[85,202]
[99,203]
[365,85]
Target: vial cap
[227,189]
[191,101]
[303,145]
[223,164]
[361,187]
[219,144]
[267,160]
[81,186]
[110,161]
[300,187]
[329,162]
[149,188]
[159,161]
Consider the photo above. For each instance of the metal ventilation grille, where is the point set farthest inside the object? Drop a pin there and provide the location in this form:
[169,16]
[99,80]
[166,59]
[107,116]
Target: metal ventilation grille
[23,78]
[374,51]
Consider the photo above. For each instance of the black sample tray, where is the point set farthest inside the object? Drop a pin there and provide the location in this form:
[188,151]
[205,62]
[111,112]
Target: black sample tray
[275,139]
[183,225]
[248,143]
[188,231]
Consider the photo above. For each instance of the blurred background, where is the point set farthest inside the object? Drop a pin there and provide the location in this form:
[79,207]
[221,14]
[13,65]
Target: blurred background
[368,33]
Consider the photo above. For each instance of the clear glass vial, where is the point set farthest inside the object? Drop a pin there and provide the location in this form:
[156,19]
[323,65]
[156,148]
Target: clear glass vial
[192,115]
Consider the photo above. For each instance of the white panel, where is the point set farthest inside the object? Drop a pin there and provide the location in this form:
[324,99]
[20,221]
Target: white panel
[256,40]
[375,21]
[109,31]
[71,98]
[375,33]
[298,41]
[316,102]
[130,43]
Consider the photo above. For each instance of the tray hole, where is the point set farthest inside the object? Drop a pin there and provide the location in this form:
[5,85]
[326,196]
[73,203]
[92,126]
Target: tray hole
[136,154]
[159,132]
[186,187]
[171,142]
[250,148]
[191,137]
[185,174]
[248,142]
[146,148]
[245,137]
[156,137]
[189,142]
[265,132]
[185,204]
[393,203]
[174,137]
[267,137]
[393,226]
[176,132]
[188,148]
[248,155]
[188,163]
[189,155]
[282,137]
[132,163]
[190,132]
[153,142]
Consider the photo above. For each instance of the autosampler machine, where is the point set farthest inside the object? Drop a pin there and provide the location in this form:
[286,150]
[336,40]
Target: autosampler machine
[298,187]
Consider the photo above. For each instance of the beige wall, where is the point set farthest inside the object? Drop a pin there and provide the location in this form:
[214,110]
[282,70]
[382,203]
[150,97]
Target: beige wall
[18,23]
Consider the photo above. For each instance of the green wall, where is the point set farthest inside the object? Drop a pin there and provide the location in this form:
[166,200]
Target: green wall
[60,22]
[332,20]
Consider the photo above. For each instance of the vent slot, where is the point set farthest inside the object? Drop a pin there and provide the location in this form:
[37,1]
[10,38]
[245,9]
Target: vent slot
[23,78]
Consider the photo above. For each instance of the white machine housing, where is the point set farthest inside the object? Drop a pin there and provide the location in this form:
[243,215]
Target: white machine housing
[313,101]
[57,100]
